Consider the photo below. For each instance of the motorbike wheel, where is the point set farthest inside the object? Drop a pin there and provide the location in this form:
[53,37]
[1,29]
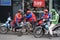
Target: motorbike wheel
[20,33]
[57,31]
[28,29]
[38,32]
[3,30]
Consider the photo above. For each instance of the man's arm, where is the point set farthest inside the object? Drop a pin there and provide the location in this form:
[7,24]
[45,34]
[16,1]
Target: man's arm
[56,17]
[29,16]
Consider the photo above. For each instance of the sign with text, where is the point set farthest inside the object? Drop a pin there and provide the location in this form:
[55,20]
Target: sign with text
[39,3]
[5,3]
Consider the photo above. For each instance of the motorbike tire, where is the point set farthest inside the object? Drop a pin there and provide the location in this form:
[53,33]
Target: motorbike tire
[27,28]
[57,31]
[3,30]
[20,33]
[38,35]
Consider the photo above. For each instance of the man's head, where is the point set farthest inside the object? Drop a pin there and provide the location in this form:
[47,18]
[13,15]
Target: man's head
[45,11]
[28,11]
[19,11]
[53,11]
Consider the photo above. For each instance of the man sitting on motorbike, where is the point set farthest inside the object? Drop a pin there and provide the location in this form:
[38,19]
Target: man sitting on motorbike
[46,17]
[30,17]
[17,19]
[54,21]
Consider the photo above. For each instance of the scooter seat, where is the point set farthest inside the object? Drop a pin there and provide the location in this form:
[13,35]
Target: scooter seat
[18,27]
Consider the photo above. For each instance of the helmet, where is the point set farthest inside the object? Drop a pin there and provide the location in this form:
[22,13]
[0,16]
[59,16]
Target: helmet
[53,10]
[45,10]
[19,10]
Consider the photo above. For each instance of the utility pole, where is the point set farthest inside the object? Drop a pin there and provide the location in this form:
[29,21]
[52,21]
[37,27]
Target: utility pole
[23,6]
[50,5]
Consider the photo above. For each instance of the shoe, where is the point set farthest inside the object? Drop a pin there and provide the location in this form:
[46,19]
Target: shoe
[13,30]
[24,30]
[31,29]
[46,32]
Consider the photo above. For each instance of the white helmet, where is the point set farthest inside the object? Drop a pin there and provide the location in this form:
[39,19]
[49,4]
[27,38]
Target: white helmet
[20,10]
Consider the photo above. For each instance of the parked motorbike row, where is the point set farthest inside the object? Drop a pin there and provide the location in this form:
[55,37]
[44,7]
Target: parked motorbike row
[37,30]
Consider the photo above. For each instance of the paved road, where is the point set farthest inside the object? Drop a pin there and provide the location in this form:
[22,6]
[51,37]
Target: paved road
[11,36]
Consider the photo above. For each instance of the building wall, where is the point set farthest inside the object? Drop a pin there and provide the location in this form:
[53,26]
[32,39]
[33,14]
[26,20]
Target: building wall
[4,10]
[17,4]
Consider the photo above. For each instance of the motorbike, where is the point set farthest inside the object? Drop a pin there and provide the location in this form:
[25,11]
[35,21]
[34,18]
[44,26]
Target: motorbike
[6,27]
[41,29]
[28,25]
